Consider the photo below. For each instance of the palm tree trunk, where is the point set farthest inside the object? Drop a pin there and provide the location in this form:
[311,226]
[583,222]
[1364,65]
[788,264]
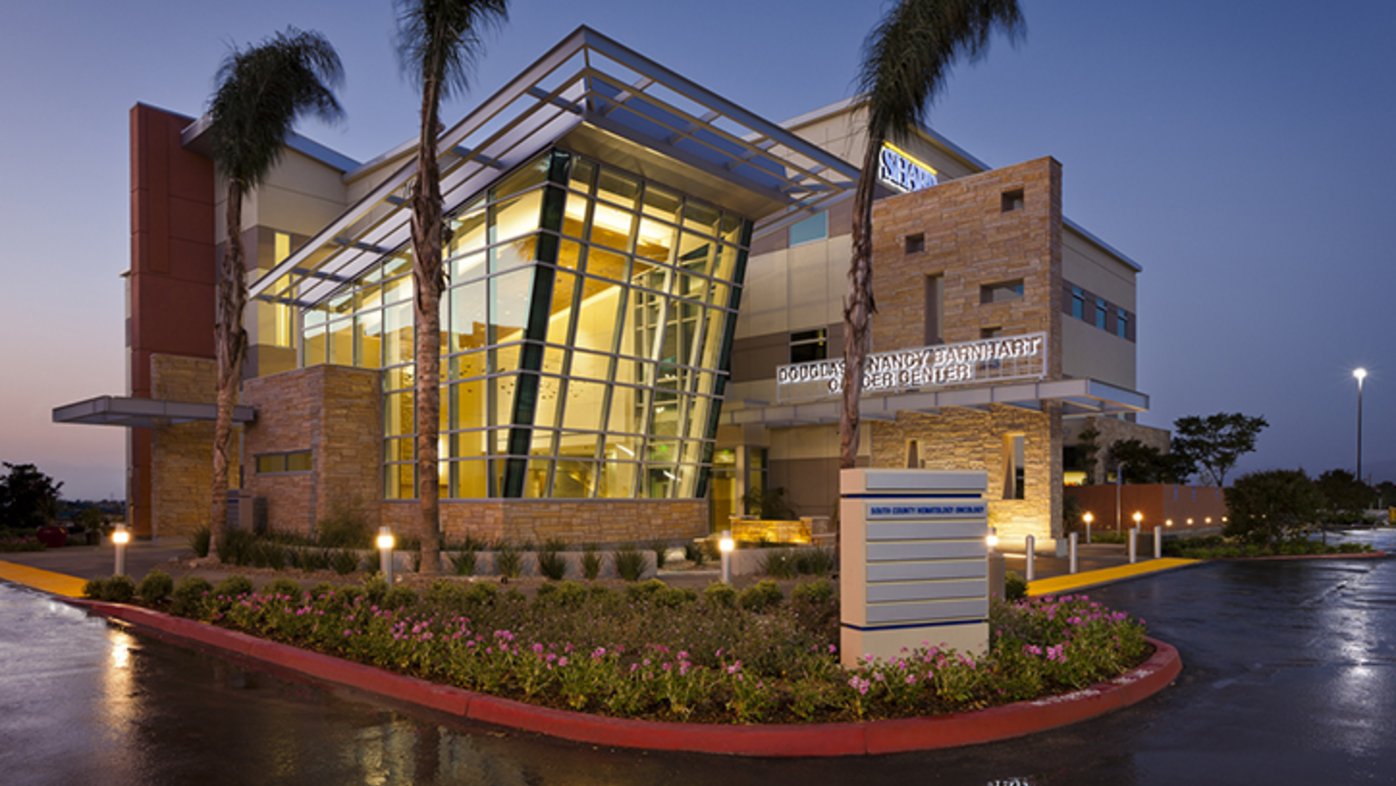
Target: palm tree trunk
[230,344]
[429,278]
[859,308]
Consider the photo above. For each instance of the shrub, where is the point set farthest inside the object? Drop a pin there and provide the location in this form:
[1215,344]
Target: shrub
[117,589]
[235,547]
[283,586]
[481,593]
[761,597]
[233,586]
[399,598]
[551,563]
[813,592]
[199,540]
[155,587]
[721,595]
[815,562]
[96,589]
[568,594]
[693,552]
[1015,587]
[591,563]
[508,562]
[321,590]
[659,550]
[645,590]
[344,528]
[375,588]
[463,562]
[1273,506]
[630,564]
[187,600]
[343,561]
[780,564]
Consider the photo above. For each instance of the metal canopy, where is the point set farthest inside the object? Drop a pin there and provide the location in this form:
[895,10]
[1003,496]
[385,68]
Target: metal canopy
[1078,397]
[586,80]
[142,412]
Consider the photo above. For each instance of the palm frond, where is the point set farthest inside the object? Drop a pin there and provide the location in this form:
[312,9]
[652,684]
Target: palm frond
[909,54]
[439,41]
[260,93]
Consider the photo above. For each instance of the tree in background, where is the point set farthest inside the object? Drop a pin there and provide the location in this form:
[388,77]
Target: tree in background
[438,42]
[1274,506]
[1345,497]
[28,497]
[906,59]
[1212,444]
[260,93]
[1087,451]
[1147,464]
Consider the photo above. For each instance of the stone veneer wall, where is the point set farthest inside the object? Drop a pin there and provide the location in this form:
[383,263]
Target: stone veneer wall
[182,454]
[970,241]
[335,413]
[608,521]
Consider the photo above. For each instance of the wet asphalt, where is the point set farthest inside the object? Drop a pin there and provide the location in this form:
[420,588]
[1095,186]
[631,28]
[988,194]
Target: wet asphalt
[1289,678]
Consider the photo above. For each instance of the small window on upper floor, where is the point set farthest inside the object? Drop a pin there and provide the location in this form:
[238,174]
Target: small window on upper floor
[1121,323]
[990,332]
[816,227]
[1012,200]
[1001,292]
[807,345]
[916,243]
[1078,303]
[1102,310]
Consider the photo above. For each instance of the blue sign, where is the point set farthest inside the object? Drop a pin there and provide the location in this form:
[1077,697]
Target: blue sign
[902,172]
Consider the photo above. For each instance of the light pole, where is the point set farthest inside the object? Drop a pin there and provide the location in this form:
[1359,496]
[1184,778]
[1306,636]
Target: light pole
[1359,374]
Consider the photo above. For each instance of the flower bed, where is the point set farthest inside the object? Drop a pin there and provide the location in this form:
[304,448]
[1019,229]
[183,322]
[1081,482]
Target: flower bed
[662,653]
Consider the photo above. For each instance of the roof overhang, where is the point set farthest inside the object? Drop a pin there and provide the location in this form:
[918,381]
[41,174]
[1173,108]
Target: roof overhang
[591,91]
[1078,398]
[142,412]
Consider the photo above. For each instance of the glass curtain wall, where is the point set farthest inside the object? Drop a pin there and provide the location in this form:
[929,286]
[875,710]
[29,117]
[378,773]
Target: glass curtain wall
[586,330]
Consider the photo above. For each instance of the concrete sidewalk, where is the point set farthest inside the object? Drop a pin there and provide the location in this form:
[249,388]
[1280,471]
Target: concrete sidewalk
[93,562]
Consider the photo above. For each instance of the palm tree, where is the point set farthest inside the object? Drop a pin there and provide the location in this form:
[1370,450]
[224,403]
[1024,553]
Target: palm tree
[260,93]
[438,43]
[906,59]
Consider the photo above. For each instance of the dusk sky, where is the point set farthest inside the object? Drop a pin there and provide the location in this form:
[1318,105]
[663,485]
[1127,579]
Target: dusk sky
[1242,152]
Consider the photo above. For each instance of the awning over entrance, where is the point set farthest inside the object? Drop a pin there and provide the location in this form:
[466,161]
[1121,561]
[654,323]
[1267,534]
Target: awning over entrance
[1078,397]
[142,412]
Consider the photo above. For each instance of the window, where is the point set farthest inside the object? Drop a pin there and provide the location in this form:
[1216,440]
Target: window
[1014,475]
[990,332]
[1121,323]
[1078,303]
[814,228]
[1001,292]
[274,463]
[935,287]
[1012,200]
[807,345]
[1101,310]
[916,243]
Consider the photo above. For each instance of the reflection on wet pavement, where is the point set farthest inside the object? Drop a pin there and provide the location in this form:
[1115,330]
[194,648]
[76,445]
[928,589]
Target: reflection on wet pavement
[1288,678]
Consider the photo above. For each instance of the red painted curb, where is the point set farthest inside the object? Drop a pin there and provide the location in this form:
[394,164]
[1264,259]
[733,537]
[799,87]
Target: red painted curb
[773,740]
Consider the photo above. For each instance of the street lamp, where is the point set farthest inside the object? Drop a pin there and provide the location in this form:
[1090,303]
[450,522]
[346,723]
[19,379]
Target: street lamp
[725,545]
[120,538]
[1359,374]
[385,543]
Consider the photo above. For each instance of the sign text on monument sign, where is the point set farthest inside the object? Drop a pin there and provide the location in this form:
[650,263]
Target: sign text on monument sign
[991,359]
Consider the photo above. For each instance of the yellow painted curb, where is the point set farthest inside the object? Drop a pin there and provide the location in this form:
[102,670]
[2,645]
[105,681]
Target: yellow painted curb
[1074,581]
[46,580]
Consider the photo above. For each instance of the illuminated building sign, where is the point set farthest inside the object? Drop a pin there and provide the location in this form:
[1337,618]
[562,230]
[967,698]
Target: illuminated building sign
[986,360]
[903,172]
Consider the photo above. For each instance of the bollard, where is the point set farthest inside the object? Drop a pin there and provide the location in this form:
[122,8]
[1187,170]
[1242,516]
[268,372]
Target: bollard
[1030,570]
[1088,532]
[1071,552]
[120,538]
[1158,543]
[1133,548]
[386,543]
[725,545]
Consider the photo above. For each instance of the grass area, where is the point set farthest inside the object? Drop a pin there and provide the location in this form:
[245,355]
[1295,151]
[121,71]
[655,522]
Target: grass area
[660,652]
[1218,547]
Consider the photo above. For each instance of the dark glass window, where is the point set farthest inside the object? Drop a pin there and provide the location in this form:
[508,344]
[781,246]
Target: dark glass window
[1001,291]
[1078,303]
[1101,311]
[807,345]
[1122,323]
[814,228]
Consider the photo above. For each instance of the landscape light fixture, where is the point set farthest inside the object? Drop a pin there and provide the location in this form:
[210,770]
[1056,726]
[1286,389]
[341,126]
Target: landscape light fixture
[992,539]
[1138,517]
[725,546]
[1359,374]
[385,543]
[120,537]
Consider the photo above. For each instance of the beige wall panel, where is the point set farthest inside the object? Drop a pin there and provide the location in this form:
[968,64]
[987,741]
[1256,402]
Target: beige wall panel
[1091,353]
[764,297]
[1086,265]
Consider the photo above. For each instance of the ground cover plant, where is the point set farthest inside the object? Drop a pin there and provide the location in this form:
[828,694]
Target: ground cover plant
[1218,547]
[665,653]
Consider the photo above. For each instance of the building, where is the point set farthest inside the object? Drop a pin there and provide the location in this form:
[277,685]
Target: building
[644,309]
